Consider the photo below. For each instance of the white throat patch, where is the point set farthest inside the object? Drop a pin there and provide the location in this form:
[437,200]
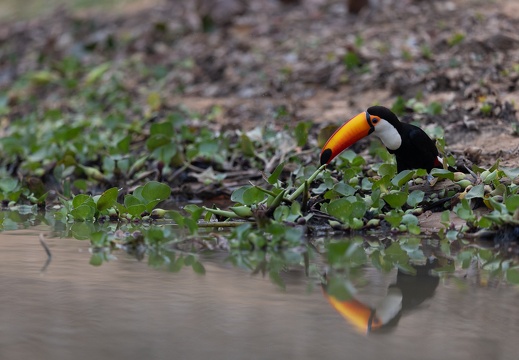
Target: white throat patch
[388,135]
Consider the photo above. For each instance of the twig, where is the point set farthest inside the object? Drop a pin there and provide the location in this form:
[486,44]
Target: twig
[47,251]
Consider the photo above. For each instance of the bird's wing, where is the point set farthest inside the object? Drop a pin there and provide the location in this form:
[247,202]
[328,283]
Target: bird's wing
[422,141]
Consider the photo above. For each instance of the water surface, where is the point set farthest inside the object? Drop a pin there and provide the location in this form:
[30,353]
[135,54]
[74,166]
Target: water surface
[126,309]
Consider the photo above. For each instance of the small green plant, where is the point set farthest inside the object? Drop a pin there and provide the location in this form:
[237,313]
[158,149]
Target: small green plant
[455,39]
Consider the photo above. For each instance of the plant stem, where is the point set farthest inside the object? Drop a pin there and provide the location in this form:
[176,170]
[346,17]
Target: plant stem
[224,213]
[301,187]
[222,224]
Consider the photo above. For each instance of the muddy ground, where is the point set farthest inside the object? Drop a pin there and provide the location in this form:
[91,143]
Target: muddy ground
[310,58]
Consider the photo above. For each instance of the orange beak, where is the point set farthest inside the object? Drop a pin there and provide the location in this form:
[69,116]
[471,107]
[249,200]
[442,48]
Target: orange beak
[358,314]
[348,134]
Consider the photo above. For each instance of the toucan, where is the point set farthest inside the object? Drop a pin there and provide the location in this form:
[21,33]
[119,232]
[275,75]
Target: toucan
[412,147]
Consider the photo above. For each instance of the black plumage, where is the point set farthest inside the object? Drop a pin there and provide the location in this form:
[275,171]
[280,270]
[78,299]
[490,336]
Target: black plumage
[417,149]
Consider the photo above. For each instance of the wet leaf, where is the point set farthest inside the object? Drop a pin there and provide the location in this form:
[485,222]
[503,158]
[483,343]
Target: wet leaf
[83,212]
[340,208]
[387,170]
[511,173]
[96,259]
[442,174]
[82,230]
[8,184]
[136,210]
[237,195]
[107,199]
[402,177]
[396,199]
[394,217]
[154,190]
[477,191]
[82,199]
[177,217]
[253,195]
[198,268]
[512,203]
[415,198]
[344,189]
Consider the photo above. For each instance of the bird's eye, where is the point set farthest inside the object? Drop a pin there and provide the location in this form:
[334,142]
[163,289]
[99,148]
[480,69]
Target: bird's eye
[374,121]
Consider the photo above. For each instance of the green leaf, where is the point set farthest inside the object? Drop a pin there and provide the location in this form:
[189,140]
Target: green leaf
[445,217]
[273,178]
[82,199]
[442,174]
[477,191]
[398,106]
[136,210]
[387,169]
[83,212]
[82,230]
[409,219]
[156,141]
[512,203]
[237,195]
[464,211]
[162,128]
[8,184]
[154,190]
[358,209]
[154,101]
[396,200]
[511,173]
[177,217]
[194,210]
[402,177]
[131,200]
[351,60]
[246,145]
[512,276]
[107,199]
[95,74]
[198,268]
[415,197]
[96,259]
[340,208]
[344,189]
[301,132]
[253,195]
[394,217]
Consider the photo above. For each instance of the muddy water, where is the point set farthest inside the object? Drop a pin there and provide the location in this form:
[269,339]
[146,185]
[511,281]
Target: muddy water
[125,309]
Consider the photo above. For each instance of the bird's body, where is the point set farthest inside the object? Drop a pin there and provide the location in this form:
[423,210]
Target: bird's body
[412,147]
[417,151]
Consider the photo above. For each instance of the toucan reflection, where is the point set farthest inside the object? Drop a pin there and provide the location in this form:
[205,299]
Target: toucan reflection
[407,293]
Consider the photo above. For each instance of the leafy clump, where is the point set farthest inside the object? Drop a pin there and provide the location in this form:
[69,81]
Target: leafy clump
[141,204]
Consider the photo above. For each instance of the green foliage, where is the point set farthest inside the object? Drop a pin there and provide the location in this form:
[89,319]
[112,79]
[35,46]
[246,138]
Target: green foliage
[143,201]
[456,39]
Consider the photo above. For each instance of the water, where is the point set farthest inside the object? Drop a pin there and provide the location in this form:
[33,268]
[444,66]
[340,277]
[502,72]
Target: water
[126,309]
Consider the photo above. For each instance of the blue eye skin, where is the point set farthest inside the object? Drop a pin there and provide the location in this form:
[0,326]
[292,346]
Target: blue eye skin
[374,121]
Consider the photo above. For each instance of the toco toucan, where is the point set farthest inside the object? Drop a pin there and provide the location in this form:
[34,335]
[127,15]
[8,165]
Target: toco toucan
[412,147]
